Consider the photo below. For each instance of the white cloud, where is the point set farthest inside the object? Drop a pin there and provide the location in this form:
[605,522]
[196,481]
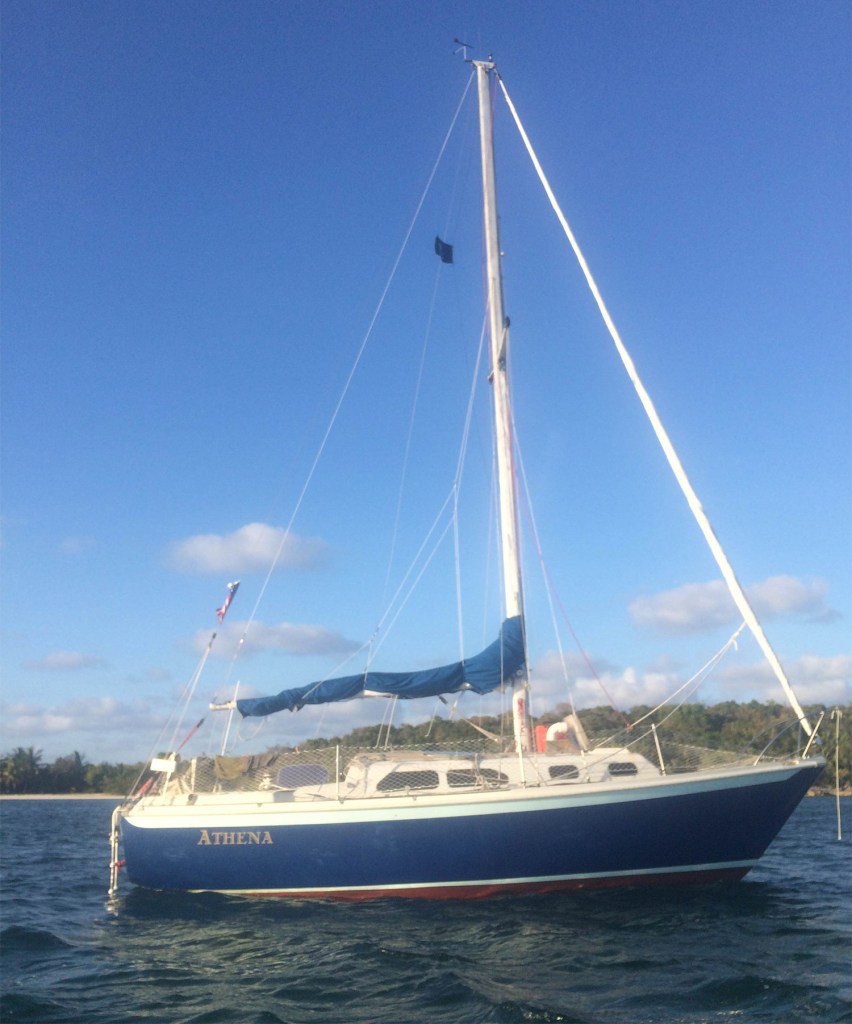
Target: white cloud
[252,548]
[96,715]
[288,637]
[787,595]
[696,607]
[815,679]
[624,687]
[65,661]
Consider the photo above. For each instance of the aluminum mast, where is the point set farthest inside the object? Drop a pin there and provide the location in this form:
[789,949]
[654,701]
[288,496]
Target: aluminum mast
[499,333]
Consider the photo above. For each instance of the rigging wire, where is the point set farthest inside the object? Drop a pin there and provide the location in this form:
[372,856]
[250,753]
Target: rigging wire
[463,445]
[700,676]
[552,593]
[698,512]
[178,714]
[408,585]
[188,693]
[688,688]
[460,463]
[419,575]
[348,382]
[410,434]
[697,678]
[837,714]
[369,644]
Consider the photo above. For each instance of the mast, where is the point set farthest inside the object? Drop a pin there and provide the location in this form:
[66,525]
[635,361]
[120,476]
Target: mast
[499,334]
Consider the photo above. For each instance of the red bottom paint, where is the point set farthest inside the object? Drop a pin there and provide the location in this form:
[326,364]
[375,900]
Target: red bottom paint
[491,889]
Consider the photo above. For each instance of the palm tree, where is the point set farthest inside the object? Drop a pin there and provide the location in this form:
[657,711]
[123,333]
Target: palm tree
[8,775]
[27,768]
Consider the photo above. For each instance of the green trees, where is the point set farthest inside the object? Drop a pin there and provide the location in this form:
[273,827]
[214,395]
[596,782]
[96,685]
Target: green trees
[67,774]
[23,772]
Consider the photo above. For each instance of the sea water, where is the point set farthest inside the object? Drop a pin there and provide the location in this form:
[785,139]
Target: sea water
[772,949]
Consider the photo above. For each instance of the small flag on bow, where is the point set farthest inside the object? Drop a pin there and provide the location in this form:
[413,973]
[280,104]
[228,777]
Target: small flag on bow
[443,250]
[232,589]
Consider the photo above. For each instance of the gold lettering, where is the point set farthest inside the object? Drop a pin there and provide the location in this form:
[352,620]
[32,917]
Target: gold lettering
[207,838]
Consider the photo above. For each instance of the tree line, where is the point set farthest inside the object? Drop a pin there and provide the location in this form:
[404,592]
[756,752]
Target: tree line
[23,772]
[727,726]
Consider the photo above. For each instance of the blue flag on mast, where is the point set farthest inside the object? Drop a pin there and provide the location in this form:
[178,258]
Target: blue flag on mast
[443,250]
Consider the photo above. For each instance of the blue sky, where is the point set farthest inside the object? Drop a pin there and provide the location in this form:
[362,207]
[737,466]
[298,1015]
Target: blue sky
[202,203]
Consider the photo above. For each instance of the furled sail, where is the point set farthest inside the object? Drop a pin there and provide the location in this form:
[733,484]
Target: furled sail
[482,673]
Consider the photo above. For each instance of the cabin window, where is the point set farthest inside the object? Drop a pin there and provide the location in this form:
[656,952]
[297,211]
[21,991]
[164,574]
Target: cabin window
[293,775]
[468,777]
[622,768]
[564,771]
[407,780]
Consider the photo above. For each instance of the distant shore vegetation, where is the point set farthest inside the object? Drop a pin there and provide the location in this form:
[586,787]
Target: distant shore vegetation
[728,726]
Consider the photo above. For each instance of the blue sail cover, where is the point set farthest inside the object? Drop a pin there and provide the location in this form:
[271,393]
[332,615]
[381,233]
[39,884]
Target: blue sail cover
[482,673]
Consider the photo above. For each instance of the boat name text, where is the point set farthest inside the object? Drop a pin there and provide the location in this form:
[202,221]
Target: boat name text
[208,838]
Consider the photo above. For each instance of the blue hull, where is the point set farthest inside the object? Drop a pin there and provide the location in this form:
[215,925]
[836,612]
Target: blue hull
[688,832]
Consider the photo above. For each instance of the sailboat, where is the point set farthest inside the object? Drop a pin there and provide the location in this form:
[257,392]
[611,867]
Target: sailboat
[538,811]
